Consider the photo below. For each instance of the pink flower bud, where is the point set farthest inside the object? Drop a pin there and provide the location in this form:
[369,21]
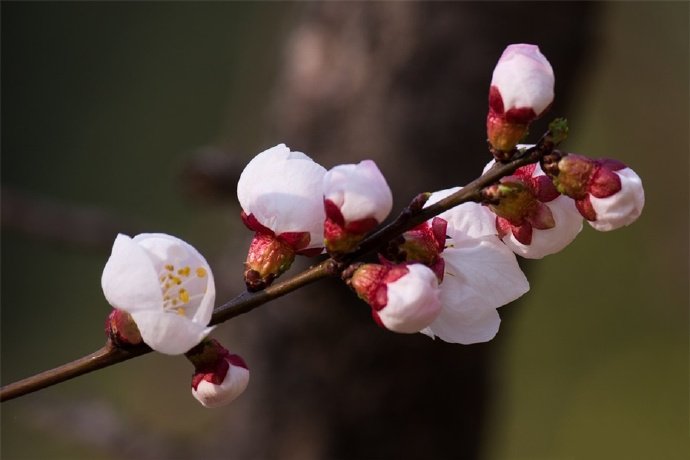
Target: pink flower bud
[122,330]
[606,192]
[521,91]
[356,199]
[621,208]
[219,376]
[283,192]
[403,298]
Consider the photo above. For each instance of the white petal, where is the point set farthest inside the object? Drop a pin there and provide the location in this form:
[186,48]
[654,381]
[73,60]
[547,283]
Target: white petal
[168,332]
[234,384]
[524,78]
[284,192]
[622,208]
[471,325]
[413,301]
[481,275]
[129,280]
[466,220]
[360,191]
[544,242]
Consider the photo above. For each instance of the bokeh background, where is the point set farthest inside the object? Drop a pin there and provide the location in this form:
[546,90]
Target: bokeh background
[128,117]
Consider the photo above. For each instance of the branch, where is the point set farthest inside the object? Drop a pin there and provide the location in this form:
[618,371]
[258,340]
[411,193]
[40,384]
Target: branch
[410,217]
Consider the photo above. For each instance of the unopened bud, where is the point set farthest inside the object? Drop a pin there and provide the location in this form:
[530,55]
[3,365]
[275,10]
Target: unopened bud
[606,192]
[521,91]
[122,330]
[219,376]
[403,298]
[356,198]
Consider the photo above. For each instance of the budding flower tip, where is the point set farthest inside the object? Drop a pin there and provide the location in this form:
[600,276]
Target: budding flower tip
[121,329]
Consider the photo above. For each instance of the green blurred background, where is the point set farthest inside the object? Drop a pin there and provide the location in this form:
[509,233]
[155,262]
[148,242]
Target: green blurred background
[104,103]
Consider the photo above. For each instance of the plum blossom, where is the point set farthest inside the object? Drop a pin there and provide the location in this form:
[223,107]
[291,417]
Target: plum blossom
[480,274]
[281,194]
[219,376]
[606,192]
[522,89]
[403,298]
[165,285]
[356,199]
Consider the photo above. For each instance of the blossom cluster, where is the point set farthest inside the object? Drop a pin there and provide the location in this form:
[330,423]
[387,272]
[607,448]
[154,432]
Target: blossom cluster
[445,277]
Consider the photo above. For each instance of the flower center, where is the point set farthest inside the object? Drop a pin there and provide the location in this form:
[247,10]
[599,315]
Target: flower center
[183,288]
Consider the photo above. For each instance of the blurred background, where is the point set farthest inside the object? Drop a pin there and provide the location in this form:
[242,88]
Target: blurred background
[128,117]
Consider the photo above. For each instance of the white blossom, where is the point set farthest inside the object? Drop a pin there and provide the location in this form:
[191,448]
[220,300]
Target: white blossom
[481,274]
[165,285]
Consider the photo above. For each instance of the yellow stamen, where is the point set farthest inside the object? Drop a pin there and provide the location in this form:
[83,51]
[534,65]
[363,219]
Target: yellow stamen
[184,271]
[170,267]
[180,311]
[201,272]
[184,295]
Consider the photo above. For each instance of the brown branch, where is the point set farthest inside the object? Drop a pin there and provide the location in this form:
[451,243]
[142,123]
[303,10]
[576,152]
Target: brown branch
[412,216]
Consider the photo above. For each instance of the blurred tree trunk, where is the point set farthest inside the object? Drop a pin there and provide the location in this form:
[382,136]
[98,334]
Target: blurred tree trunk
[405,84]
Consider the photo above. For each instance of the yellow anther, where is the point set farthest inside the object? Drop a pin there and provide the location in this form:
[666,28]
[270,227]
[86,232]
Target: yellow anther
[170,267]
[177,280]
[180,311]
[174,302]
[184,271]
[201,272]
[184,295]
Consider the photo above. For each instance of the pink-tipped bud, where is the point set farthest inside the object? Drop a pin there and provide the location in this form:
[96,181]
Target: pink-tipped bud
[403,298]
[282,189]
[219,376]
[356,199]
[522,89]
[606,192]
[122,330]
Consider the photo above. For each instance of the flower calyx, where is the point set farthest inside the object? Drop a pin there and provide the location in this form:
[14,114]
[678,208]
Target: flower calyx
[270,255]
[423,244]
[518,202]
